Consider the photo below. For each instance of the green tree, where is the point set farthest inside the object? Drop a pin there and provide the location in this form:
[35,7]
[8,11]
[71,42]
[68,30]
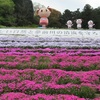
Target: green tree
[7,13]
[24,12]
[54,19]
[75,15]
[67,15]
[86,15]
[96,17]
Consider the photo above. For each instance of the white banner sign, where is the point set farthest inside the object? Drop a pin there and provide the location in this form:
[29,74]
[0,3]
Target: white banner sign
[49,37]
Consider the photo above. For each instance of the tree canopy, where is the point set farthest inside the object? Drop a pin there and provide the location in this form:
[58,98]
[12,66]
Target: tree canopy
[16,12]
[88,13]
[7,12]
[24,12]
[21,13]
[54,19]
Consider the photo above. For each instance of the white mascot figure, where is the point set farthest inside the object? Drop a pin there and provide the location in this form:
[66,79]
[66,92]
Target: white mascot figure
[69,24]
[79,23]
[90,24]
[44,13]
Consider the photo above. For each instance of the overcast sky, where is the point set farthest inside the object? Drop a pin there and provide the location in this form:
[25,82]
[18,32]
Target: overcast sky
[72,5]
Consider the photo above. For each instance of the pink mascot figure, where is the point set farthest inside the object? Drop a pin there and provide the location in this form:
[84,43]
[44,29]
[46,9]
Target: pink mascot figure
[69,24]
[90,24]
[44,13]
[79,22]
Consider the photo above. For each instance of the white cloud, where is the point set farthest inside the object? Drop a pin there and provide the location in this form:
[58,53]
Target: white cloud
[93,3]
[72,5]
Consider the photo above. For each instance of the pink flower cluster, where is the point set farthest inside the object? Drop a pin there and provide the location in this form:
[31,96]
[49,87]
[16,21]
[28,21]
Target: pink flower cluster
[22,96]
[29,58]
[49,78]
[49,74]
[72,52]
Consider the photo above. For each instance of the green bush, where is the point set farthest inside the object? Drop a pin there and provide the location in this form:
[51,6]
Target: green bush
[67,79]
[83,91]
[1,26]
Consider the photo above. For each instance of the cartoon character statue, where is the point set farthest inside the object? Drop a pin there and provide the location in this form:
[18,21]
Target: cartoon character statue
[44,13]
[69,24]
[90,24]
[79,22]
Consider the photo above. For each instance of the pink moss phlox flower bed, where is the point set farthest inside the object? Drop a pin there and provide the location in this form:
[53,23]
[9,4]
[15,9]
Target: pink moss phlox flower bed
[22,96]
[17,58]
[49,74]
